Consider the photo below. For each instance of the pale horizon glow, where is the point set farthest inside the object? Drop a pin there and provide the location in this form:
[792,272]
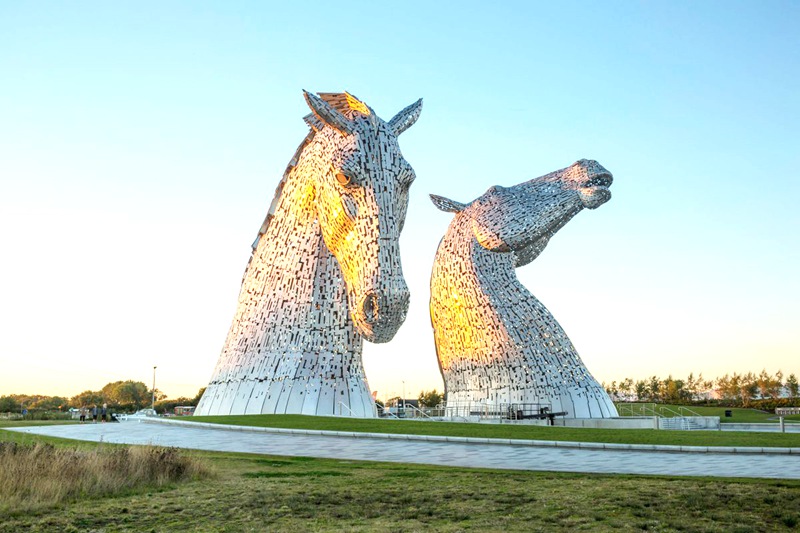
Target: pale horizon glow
[140,146]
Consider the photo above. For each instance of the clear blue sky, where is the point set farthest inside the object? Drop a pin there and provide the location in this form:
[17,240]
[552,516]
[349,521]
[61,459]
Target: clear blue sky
[140,144]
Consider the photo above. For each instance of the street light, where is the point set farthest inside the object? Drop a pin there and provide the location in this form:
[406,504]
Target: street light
[153,402]
[404,394]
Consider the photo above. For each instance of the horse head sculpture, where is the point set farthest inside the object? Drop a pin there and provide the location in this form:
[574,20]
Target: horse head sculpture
[522,218]
[495,341]
[361,201]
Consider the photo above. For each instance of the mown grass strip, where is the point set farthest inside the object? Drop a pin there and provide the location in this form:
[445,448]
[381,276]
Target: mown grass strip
[511,431]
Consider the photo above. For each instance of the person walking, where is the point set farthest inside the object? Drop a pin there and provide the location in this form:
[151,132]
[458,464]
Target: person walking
[103,412]
[82,412]
[94,414]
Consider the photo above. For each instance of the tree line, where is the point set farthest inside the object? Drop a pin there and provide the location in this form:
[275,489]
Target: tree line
[763,390]
[121,396]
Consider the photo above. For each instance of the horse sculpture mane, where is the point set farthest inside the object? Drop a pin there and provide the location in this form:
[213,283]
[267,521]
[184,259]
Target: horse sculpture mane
[325,270]
[496,343]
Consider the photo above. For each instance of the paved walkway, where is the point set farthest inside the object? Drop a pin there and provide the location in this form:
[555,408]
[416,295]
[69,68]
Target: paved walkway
[407,449]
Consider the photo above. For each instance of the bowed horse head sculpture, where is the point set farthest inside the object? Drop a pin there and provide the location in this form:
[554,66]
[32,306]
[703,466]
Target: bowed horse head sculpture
[362,198]
[522,218]
[325,271]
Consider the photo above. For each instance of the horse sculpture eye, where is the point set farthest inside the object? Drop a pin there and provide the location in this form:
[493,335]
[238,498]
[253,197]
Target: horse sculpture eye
[342,179]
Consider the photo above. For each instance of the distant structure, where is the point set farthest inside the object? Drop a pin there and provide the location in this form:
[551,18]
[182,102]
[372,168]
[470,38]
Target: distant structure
[496,343]
[325,271]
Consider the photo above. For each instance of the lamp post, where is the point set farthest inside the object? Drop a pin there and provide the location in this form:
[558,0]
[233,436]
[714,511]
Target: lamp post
[404,395]
[153,401]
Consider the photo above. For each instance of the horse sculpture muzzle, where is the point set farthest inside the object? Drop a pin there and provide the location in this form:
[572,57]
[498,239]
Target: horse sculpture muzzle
[381,312]
[594,182]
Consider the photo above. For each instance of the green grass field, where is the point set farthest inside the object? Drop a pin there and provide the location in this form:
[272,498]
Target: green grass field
[265,493]
[510,431]
[739,414]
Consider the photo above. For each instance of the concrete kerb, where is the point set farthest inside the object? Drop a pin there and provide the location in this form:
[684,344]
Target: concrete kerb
[483,440]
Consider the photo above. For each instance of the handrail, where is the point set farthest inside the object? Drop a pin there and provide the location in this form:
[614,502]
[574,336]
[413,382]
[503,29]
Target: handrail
[640,409]
[663,408]
[385,411]
[342,404]
[693,413]
[418,410]
[656,409]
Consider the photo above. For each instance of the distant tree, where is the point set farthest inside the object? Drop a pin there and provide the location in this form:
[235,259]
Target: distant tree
[127,394]
[654,389]
[673,391]
[626,388]
[793,386]
[778,384]
[748,387]
[641,390]
[727,388]
[612,390]
[768,386]
[692,385]
[86,398]
[9,405]
[429,398]
[196,399]
[50,403]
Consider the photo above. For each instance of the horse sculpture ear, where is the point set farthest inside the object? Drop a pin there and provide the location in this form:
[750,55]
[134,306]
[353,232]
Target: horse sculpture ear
[446,204]
[327,114]
[406,118]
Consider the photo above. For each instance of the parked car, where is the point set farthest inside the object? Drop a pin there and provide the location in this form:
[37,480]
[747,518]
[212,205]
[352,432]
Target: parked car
[138,415]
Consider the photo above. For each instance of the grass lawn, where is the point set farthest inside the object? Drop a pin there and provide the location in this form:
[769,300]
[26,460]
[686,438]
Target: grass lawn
[264,493]
[19,423]
[739,414]
[511,431]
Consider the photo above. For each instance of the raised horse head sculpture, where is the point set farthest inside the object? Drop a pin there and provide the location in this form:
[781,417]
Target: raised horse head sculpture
[496,343]
[362,198]
[522,218]
[325,271]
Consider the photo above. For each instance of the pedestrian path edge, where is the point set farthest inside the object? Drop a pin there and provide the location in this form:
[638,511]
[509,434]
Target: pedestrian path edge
[482,440]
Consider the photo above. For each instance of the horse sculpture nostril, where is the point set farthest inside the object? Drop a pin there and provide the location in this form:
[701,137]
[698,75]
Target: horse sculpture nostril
[370,307]
[379,307]
[405,300]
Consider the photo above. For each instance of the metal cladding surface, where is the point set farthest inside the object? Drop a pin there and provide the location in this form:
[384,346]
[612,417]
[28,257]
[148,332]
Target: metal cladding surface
[496,343]
[325,271]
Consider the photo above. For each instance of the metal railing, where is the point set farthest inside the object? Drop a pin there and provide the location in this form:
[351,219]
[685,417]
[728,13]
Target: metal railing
[653,409]
[497,411]
[350,411]
[637,409]
[417,412]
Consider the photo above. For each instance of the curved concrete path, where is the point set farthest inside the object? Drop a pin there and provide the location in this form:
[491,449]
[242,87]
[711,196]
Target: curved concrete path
[472,453]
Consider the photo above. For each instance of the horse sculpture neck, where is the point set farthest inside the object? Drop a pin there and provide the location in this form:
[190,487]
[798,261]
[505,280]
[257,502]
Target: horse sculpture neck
[293,295]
